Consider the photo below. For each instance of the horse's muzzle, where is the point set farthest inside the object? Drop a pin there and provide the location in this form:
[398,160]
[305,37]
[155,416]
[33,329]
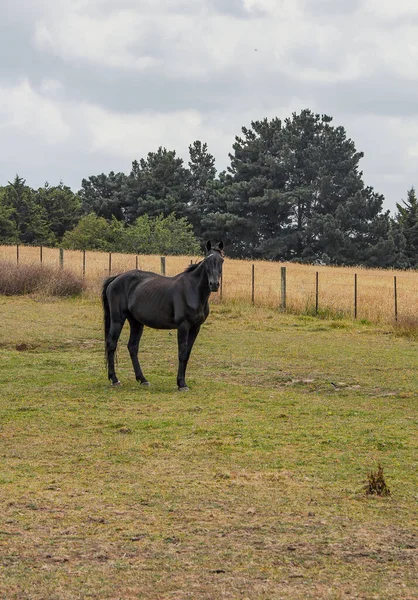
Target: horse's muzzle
[214,287]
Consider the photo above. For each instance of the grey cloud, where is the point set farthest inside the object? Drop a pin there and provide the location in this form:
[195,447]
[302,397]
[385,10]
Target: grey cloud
[128,92]
[310,55]
[229,7]
[21,60]
[331,8]
[235,8]
[381,95]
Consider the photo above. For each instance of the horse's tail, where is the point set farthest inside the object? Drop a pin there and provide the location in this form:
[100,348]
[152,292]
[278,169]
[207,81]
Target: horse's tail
[106,311]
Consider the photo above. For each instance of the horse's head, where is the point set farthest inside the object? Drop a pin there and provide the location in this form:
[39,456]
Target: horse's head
[213,264]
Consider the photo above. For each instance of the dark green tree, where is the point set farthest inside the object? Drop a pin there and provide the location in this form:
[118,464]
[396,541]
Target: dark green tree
[407,222]
[29,217]
[8,230]
[157,185]
[62,207]
[296,193]
[206,201]
[201,165]
[104,195]
[257,214]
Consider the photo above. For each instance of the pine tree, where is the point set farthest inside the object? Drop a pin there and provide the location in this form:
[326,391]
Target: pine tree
[8,230]
[103,195]
[29,217]
[407,220]
[205,202]
[159,184]
[62,206]
[296,193]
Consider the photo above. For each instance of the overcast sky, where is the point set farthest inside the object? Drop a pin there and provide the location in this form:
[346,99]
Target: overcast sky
[87,86]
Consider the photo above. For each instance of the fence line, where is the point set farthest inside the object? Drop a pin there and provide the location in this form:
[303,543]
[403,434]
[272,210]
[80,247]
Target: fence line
[321,298]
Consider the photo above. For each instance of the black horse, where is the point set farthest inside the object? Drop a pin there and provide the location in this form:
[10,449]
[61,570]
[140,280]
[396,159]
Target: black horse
[144,298]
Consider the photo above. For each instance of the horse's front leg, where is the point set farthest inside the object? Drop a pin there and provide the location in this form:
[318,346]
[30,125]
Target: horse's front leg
[193,331]
[192,337]
[183,346]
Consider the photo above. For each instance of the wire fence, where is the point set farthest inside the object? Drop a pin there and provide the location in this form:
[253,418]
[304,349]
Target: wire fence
[360,293]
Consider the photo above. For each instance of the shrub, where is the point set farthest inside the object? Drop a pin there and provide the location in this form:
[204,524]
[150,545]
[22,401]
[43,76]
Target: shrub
[376,484]
[28,279]
[148,235]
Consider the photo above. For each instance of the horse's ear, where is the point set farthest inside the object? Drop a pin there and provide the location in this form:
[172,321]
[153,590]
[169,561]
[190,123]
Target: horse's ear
[208,245]
[221,245]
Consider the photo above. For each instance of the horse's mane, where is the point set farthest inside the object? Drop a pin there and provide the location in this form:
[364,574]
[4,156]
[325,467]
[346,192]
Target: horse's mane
[192,267]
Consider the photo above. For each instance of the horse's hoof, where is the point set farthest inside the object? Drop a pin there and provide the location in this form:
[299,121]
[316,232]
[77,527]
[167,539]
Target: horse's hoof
[145,383]
[116,383]
[183,389]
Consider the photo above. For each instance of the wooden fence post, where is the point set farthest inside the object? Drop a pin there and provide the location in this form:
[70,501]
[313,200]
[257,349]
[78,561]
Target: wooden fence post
[61,258]
[84,263]
[316,292]
[136,261]
[252,283]
[40,254]
[110,263]
[395,289]
[17,254]
[163,265]
[283,288]
[355,295]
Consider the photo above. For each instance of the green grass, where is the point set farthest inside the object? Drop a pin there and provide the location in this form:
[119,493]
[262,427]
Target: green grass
[249,486]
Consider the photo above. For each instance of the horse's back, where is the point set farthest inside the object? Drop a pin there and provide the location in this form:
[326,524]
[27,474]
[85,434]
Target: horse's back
[148,297]
[125,282]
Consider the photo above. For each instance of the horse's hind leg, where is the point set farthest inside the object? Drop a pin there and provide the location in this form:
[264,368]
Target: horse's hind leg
[133,347]
[111,343]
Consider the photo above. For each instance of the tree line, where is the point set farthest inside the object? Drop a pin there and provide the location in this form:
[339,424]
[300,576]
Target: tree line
[293,191]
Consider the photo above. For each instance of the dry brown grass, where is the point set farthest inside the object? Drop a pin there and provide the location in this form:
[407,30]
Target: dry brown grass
[336,284]
[16,280]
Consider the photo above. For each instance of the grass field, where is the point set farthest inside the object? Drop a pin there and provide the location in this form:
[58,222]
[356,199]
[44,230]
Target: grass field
[375,287]
[249,486]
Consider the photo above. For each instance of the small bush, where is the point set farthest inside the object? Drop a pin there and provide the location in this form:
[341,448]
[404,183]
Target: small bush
[376,484]
[407,326]
[17,280]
